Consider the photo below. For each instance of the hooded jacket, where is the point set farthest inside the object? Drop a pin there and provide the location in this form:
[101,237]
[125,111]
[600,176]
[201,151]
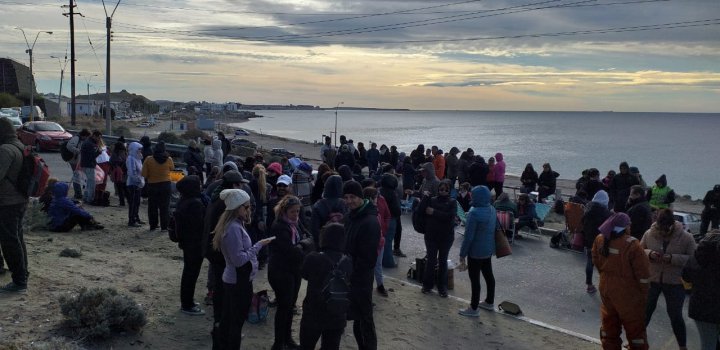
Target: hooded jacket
[362,235]
[430,181]
[596,212]
[660,196]
[193,157]
[529,178]
[478,172]
[11,159]
[640,217]
[218,156]
[711,201]
[61,207]
[147,149]
[451,162]
[157,168]
[388,185]
[190,214]
[703,271]
[479,240]
[499,168]
[681,246]
[331,202]
[619,189]
[134,165]
[344,157]
[441,223]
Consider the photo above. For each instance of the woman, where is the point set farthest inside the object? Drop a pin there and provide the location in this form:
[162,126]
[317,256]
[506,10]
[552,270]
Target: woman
[189,220]
[156,169]
[525,214]
[703,271]
[261,193]
[118,168]
[529,179]
[319,184]
[408,175]
[491,174]
[596,212]
[547,181]
[330,207]
[499,173]
[103,161]
[388,186]
[623,269]
[669,248]
[241,263]
[135,183]
[439,237]
[371,194]
[478,247]
[286,256]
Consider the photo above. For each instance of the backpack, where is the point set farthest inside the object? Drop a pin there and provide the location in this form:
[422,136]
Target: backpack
[258,307]
[172,228]
[418,215]
[336,292]
[34,174]
[65,153]
[333,217]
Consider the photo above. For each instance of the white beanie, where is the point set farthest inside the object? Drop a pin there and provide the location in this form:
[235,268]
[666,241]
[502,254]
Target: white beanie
[234,198]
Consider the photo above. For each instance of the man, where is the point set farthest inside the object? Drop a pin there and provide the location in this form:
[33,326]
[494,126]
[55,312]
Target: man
[73,146]
[439,163]
[660,196]
[88,155]
[451,161]
[362,231]
[593,183]
[193,158]
[634,171]
[638,209]
[711,212]
[12,209]
[328,153]
[373,158]
[619,190]
[225,144]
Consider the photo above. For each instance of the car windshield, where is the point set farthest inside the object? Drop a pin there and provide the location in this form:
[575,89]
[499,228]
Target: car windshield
[48,127]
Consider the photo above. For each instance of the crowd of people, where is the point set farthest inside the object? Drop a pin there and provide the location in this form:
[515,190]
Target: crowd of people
[343,226]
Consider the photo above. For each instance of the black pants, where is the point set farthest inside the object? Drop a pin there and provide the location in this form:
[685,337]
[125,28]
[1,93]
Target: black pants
[437,247]
[217,288]
[71,221]
[133,204]
[122,192]
[525,223]
[235,308]
[475,266]
[709,220]
[12,242]
[361,310]
[498,186]
[398,234]
[159,203]
[286,286]
[310,335]
[192,259]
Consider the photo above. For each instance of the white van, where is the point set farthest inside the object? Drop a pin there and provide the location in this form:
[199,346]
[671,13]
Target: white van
[37,114]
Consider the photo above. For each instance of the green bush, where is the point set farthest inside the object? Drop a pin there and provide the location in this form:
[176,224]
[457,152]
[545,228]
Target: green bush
[169,137]
[194,134]
[98,312]
[122,130]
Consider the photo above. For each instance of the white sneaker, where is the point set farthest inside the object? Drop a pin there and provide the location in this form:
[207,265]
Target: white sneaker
[469,312]
[487,306]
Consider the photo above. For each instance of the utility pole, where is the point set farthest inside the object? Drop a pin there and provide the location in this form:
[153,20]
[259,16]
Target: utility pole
[108,108]
[29,51]
[62,73]
[72,14]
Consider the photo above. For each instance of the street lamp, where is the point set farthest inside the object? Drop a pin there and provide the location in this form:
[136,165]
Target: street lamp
[62,71]
[336,110]
[87,81]
[29,51]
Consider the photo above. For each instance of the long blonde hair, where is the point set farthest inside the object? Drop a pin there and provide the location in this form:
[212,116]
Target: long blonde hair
[282,207]
[224,222]
[260,174]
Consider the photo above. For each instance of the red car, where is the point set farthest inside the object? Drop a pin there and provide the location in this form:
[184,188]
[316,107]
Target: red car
[43,135]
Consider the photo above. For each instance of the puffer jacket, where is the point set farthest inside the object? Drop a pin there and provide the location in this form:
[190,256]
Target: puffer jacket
[61,207]
[479,240]
[703,271]
[681,246]
[11,159]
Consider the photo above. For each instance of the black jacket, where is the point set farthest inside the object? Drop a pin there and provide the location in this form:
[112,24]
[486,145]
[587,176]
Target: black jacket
[193,157]
[619,190]
[88,152]
[548,179]
[703,271]
[441,222]
[595,214]
[284,255]
[362,235]
[593,186]
[315,269]
[711,201]
[388,186]
[529,178]
[190,214]
[640,217]
[477,173]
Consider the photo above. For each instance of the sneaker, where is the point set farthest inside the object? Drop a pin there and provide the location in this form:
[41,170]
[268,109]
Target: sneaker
[591,289]
[13,288]
[140,222]
[381,290]
[469,312]
[487,306]
[193,311]
[399,253]
[426,291]
[134,224]
[443,294]
[209,298]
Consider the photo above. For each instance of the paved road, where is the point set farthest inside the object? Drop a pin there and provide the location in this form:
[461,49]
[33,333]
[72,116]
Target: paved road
[547,283]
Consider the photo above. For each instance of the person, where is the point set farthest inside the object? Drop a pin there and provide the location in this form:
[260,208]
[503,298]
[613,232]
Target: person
[328,153]
[156,169]
[330,207]
[623,269]
[362,233]
[711,211]
[439,163]
[135,183]
[118,171]
[73,145]
[669,248]
[503,203]
[103,162]
[373,158]
[12,209]
[610,174]
[439,236]
[225,146]
[260,190]
[464,197]
[660,196]
[595,214]
[384,154]
[371,193]
[499,173]
[88,155]
[529,179]
[240,255]
[490,182]
[65,214]
[193,157]
[477,249]
[619,189]
[417,156]
[317,322]
[634,171]
[463,166]
[189,220]
[593,183]
[302,188]
[218,155]
[547,181]
[430,182]
[451,165]
[209,158]
[147,149]
[583,180]
[703,271]
[388,185]
[408,175]
[638,209]
[344,157]
[394,156]
[525,214]
[478,172]
[361,155]
[46,198]
[282,189]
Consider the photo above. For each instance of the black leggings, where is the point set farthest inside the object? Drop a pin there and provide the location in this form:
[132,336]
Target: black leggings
[192,263]
[159,202]
[475,266]
[310,335]
[286,286]
[235,308]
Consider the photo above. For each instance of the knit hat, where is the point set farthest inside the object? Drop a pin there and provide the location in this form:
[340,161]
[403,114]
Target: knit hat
[354,188]
[284,179]
[227,166]
[234,198]
[614,224]
[634,170]
[275,167]
[602,198]
[233,177]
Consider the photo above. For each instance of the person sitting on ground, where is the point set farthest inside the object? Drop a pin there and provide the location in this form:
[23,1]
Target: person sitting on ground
[660,196]
[525,214]
[47,196]
[503,203]
[65,214]
[464,197]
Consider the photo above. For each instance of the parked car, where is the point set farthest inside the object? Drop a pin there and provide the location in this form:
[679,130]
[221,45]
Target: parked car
[16,122]
[281,152]
[43,135]
[691,222]
[10,111]
[241,132]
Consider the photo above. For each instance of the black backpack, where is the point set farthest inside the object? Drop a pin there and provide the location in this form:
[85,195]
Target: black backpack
[336,292]
[65,153]
[172,228]
[418,214]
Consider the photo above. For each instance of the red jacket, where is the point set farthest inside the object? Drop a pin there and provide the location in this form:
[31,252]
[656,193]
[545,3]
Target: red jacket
[383,218]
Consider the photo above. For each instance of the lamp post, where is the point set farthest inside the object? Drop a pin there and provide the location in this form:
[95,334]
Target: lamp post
[88,78]
[62,72]
[29,51]
[336,110]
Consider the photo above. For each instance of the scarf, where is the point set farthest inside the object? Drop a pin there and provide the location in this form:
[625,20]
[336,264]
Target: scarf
[293,228]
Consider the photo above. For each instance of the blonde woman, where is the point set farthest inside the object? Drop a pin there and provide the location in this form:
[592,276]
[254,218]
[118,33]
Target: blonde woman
[261,192]
[241,264]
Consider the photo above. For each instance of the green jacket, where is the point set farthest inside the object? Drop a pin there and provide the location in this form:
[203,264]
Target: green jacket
[10,165]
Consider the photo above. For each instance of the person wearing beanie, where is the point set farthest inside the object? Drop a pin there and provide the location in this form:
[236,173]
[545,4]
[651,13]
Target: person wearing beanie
[634,171]
[624,272]
[193,157]
[317,322]
[156,169]
[669,247]
[362,233]
[189,218]
[440,214]
[660,196]
[330,207]
[639,211]
[703,271]
[232,240]
[619,189]
[596,212]
[12,208]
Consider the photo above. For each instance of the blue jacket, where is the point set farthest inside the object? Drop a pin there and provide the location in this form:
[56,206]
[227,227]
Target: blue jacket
[479,241]
[88,153]
[61,207]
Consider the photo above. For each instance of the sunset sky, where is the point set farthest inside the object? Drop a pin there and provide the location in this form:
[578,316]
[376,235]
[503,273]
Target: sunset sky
[621,55]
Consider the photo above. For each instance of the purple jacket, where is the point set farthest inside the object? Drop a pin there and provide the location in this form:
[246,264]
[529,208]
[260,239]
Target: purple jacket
[499,168]
[238,250]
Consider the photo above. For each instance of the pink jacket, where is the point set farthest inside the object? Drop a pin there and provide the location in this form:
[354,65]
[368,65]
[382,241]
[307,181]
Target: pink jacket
[499,168]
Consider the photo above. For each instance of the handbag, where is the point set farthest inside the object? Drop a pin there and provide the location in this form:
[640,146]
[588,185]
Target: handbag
[502,246]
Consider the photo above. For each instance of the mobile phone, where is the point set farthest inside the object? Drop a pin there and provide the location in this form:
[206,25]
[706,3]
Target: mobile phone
[270,238]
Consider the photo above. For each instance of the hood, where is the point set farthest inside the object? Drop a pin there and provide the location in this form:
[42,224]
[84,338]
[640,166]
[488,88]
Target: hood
[480,196]
[216,144]
[332,237]
[345,172]
[333,187]
[230,165]
[498,157]
[145,141]
[159,153]
[7,131]
[428,170]
[601,197]
[389,181]
[60,190]
[708,251]
[661,181]
[189,186]
[134,148]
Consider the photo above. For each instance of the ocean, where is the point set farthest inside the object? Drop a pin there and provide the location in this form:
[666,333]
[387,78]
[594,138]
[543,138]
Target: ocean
[683,146]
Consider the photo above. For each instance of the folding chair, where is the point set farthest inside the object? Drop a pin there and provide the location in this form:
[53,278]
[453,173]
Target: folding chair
[507,223]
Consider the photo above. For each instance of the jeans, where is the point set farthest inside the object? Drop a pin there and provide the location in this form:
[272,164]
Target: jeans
[286,286]
[378,268]
[159,201]
[192,262]
[77,188]
[236,305]
[475,266]
[674,299]
[588,267]
[309,337]
[709,335]
[388,258]
[89,184]
[133,204]
[12,242]
[438,248]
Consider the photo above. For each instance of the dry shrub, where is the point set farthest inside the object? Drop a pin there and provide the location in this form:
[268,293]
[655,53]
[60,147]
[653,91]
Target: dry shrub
[53,344]
[98,312]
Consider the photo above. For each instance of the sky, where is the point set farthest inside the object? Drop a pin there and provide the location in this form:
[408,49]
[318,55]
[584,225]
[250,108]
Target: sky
[550,55]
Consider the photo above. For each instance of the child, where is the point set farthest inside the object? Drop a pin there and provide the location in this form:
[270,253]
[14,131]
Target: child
[65,214]
[47,196]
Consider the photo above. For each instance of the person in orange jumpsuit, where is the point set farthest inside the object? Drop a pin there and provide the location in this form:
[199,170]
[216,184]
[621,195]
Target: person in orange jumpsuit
[624,271]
